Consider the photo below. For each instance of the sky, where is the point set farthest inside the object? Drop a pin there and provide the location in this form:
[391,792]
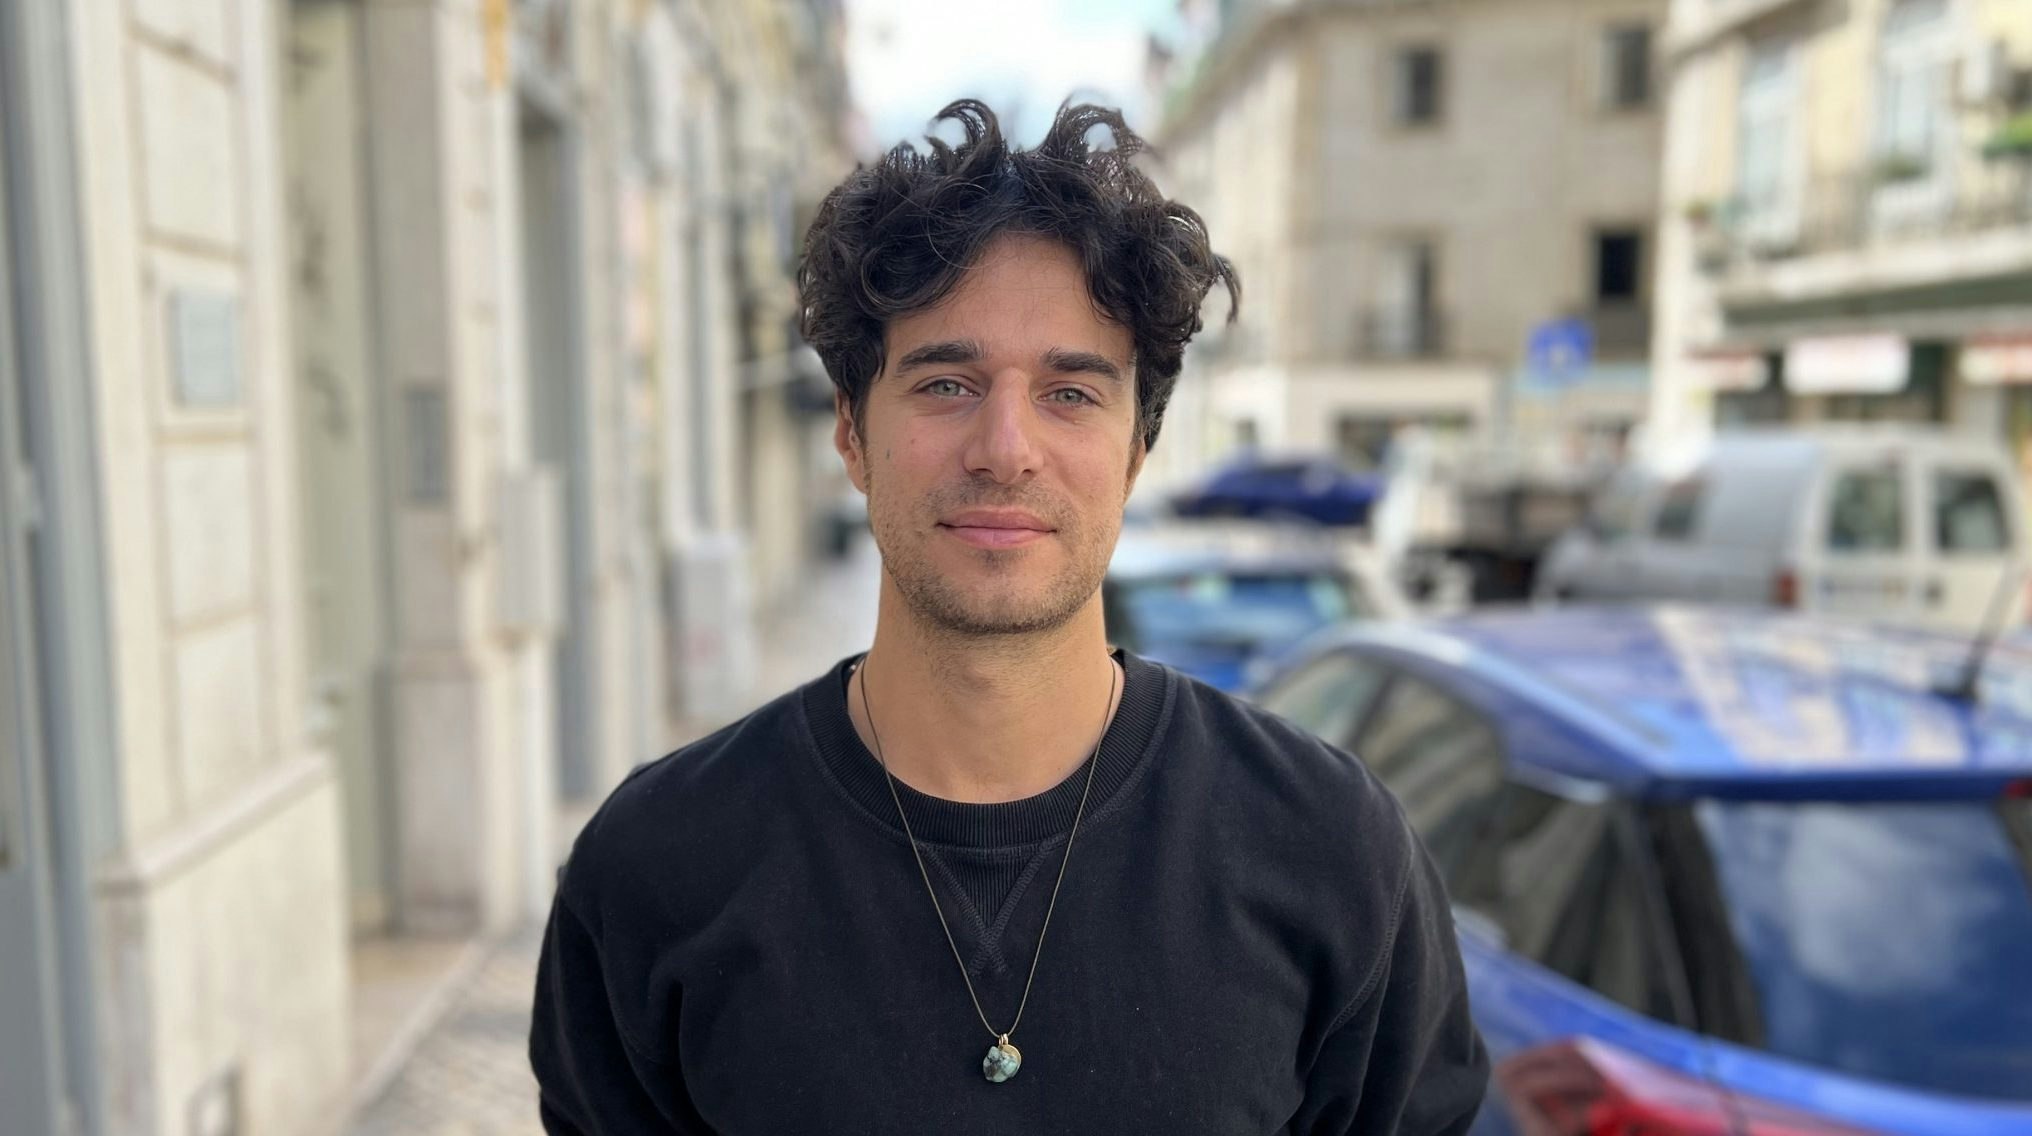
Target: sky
[908,58]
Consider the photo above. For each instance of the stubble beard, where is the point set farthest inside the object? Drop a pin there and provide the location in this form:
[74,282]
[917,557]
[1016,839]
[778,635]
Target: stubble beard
[983,611]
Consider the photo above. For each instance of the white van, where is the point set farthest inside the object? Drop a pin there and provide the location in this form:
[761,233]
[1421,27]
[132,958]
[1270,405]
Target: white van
[1903,523]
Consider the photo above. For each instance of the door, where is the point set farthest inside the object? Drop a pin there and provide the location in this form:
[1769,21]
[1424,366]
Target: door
[1972,546]
[1860,545]
[30,1021]
[339,428]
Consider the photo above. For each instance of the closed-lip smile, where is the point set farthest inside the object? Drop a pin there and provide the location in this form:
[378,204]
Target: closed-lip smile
[996,528]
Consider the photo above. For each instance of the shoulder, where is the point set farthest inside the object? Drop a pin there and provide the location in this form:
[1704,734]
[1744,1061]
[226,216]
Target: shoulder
[672,819]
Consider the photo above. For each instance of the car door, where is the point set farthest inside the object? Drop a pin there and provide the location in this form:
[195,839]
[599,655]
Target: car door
[1564,936]
[1971,545]
[1861,545]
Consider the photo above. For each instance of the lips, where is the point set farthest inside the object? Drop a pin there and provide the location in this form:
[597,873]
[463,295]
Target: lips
[996,528]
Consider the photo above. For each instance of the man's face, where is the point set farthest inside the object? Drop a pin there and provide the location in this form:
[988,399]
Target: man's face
[1000,445]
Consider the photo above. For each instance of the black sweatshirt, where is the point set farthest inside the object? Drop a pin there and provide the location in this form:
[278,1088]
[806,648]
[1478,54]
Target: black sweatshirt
[1249,940]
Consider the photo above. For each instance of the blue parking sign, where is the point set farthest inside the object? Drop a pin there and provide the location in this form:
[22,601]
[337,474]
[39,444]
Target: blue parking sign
[1560,351]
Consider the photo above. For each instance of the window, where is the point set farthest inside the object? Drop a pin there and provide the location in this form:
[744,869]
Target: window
[1626,67]
[1912,88]
[1328,696]
[1767,184]
[1421,75]
[1569,892]
[1866,511]
[1851,916]
[1968,513]
[1440,758]
[1407,321]
[1618,267]
[1680,510]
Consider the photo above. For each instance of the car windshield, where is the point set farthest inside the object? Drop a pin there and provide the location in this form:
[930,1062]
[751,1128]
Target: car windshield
[1221,609]
[1889,940]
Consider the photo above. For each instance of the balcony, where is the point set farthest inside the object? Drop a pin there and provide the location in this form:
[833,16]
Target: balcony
[1622,330]
[1400,333]
[1887,226]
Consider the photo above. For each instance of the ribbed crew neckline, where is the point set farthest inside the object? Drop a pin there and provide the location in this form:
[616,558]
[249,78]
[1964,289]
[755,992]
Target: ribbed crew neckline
[988,827]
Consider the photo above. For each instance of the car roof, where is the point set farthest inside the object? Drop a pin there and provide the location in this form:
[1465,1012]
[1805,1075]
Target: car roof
[1677,701]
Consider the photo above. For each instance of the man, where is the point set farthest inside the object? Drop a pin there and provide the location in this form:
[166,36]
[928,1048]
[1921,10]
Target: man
[992,878]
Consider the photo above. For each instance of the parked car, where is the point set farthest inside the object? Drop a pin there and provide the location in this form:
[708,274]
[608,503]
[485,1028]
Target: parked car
[1713,872]
[1901,523]
[1314,489]
[1216,600]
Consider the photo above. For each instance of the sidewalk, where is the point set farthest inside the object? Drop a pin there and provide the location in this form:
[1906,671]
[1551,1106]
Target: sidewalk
[469,1076]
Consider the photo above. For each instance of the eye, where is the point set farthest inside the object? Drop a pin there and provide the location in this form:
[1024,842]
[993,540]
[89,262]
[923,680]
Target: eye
[944,388]
[1071,396]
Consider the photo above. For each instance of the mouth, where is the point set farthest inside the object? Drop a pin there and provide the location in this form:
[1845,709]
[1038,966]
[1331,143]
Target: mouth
[984,528]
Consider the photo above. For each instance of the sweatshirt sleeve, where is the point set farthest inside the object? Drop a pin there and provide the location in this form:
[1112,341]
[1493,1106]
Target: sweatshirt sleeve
[1404,1057]
[591,1079]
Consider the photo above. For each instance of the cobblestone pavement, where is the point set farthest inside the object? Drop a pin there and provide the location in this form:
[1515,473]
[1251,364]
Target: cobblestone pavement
[470,1075]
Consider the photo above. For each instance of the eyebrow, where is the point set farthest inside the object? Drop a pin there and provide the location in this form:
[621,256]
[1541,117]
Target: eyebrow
[1068,362]
[946,352]
[1058,360]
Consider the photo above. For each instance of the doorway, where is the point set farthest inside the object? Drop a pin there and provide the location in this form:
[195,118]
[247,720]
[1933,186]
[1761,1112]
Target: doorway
[339,425]
[559,422]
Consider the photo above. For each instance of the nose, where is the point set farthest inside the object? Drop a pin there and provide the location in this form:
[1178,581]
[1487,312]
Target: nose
[1003,444]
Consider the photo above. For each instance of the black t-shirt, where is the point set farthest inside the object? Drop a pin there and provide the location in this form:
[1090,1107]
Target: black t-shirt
[1249,940]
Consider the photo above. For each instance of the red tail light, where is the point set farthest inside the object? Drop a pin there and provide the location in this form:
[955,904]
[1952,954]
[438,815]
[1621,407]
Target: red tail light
[2018,791]
[1581,1087]
[1785,588]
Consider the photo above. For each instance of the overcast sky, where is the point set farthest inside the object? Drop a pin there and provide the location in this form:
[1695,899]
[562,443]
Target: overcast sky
[907,58]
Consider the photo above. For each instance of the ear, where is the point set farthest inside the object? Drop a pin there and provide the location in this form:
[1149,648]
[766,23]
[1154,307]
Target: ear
[1137,452]
[847,440]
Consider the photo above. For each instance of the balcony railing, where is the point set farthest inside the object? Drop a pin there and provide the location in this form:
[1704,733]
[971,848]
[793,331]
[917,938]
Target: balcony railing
[1622,330]
[1400,333]
[1884,204]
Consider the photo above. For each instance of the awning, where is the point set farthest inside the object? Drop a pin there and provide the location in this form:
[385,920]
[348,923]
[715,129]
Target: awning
[1728,370]
[1988,360]
[1850,364]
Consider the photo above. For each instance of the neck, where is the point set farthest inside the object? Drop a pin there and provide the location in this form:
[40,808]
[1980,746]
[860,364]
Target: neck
[983,720]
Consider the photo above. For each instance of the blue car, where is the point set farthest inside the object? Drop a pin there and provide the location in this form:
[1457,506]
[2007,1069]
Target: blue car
[1312,489]
[1713,872]
[1219,601]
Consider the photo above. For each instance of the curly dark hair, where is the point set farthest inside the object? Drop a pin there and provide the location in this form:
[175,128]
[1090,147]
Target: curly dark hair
[895,238]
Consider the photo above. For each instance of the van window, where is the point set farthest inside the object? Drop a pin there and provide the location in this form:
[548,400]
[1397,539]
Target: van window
[1679,510]
[1866,511]
[1968,512]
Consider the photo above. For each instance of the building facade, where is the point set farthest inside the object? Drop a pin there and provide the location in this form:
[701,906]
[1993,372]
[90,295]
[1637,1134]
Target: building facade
[378,474]
[1848,216]
[1410,191]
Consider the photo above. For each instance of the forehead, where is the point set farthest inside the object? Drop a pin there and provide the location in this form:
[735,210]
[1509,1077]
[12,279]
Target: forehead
[1023,296]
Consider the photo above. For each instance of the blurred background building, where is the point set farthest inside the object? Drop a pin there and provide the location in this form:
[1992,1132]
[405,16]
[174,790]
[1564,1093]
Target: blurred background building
[1848,216]
[1410,190]
[406,423]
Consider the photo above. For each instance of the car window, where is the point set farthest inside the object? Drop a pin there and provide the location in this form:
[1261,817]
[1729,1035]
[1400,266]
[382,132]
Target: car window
[1890,940]
[1679,510]
[1239,610]
[1567,890]
[1439,756]
[1866,510]
[1328,695]
[1618,509]
[1968,512]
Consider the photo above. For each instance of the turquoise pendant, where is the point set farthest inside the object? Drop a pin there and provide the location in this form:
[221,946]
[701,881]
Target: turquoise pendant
[1002,1061]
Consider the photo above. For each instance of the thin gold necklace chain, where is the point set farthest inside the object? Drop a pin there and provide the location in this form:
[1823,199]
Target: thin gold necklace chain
[1093,763]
